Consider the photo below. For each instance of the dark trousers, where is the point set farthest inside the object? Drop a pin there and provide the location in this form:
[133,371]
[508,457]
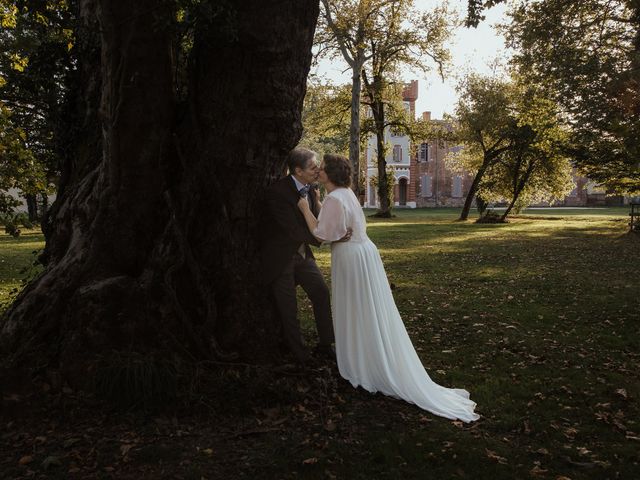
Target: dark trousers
[303,272]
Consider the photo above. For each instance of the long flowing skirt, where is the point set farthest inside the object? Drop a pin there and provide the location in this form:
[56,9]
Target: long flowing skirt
[373,348]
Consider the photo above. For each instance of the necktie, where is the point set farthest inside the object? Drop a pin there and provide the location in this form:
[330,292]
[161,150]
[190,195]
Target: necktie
[304,193]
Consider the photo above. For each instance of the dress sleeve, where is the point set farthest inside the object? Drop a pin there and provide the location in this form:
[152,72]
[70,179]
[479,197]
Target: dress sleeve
[331,221]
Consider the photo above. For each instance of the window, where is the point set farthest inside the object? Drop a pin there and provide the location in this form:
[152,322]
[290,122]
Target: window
[423,154]
[397,154]
[456,188]
[425,187]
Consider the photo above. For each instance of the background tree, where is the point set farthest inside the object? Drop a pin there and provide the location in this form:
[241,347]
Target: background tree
[537,167]
[37,57]
[514,140]
[151,243]
[343,28]
[403,37]
[587,55]
[19,168]
[485,124]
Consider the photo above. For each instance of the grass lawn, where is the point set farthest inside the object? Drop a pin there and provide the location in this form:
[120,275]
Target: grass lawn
[538,318]
[17,256]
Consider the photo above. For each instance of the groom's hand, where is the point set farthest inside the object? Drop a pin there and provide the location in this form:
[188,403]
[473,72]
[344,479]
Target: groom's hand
[347,235]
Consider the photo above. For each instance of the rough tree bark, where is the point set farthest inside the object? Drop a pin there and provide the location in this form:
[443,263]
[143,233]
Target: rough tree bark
[518,186]
[32,207]
[151,244]
[384,210]
[354,128]
[464,215]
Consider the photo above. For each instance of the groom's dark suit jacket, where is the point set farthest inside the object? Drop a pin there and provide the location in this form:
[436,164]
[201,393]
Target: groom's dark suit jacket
[284,227]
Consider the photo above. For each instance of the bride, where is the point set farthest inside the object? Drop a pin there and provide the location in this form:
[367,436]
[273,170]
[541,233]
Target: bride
[373,348]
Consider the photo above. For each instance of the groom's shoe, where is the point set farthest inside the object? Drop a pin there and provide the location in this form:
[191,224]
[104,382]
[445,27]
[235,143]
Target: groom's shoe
[325,352]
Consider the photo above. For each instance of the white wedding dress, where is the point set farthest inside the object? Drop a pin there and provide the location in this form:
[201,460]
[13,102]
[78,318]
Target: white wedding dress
[373,348]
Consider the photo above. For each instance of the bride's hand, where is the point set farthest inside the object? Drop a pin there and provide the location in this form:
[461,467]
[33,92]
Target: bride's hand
[347,236]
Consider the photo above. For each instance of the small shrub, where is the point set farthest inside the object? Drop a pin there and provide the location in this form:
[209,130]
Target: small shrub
[130,379]
[491,217]
[12,229]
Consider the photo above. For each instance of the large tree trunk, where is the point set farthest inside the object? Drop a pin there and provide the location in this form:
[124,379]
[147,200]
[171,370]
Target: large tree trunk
[32,207]
[151,244]
[464,215]
[383,185]
[519,187]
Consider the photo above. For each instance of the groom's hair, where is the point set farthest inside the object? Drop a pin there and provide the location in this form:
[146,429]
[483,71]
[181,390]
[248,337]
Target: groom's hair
[298,158]
[338,169]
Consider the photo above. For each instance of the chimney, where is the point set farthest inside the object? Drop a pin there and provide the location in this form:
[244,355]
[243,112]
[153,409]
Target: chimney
[426,116]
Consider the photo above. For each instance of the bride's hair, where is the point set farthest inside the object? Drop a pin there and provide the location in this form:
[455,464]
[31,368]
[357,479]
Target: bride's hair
[338,169]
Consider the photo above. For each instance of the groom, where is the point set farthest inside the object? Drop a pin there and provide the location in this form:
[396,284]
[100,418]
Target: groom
[287,259]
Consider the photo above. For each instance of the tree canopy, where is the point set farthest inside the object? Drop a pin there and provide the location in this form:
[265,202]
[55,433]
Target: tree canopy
[36,41]
[326,117]
[536,168]
[513,140]
[586,55]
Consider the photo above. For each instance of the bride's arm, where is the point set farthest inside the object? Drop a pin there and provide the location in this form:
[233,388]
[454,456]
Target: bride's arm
[310,218]
[333,228]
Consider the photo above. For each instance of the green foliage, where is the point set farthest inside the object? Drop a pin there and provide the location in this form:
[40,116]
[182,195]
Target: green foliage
[514,139]
[7,203]
[484,120]
[586,55]
[12,229]
[325,118]
[475,9]
[484,125]
[19,167]
[36,45]
[537,168]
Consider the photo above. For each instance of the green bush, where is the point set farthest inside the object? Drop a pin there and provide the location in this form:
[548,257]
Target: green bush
[11,221]
[11,228]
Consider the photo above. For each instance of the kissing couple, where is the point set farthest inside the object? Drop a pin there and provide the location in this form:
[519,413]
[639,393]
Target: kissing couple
[372,347]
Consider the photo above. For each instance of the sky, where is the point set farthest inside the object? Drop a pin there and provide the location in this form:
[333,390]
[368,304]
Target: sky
[472,49]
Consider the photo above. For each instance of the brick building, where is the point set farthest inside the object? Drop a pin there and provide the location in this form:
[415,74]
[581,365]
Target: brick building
[437,185]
